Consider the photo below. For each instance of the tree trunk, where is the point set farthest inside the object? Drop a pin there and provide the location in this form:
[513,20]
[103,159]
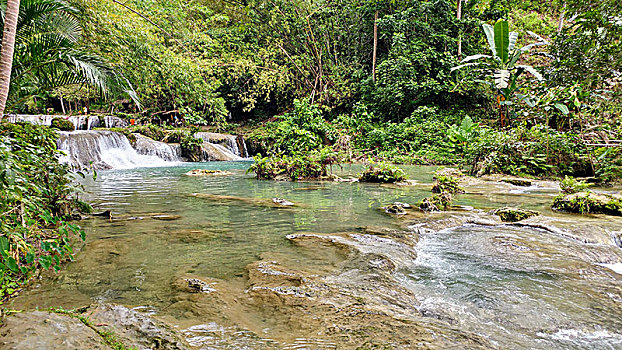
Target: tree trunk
[561,19]
[6,53]
[459,17]
[373,67]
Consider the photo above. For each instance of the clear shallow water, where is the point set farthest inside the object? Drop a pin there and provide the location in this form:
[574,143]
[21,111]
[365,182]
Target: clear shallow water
[517,287]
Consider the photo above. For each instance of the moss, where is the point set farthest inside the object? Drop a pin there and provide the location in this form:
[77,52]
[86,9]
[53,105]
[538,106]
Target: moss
[589,203]
[62,124]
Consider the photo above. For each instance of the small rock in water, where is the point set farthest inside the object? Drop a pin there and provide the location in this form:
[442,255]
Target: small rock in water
[207,172]
[106,214]
[198,286]
[166,217]
[513,214]
[395,209]
[403,205]
[283,202]
[517,182]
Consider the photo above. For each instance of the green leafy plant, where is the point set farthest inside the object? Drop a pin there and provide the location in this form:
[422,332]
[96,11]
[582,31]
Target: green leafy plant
[311,165]
[382,172]
[62,124]
[571,185]
[38,199]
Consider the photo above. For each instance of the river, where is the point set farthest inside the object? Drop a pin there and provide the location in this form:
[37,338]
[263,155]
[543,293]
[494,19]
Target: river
[458,286]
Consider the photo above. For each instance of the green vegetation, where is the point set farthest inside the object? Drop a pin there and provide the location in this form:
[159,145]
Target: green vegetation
[62,124]
[589,202]
[571,185]
[500,88]
[444,188]
[37,199]
[382,172]
[311,165]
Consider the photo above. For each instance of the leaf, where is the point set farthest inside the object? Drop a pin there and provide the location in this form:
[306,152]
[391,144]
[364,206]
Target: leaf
[502,76]
[4,244]
[466,65]
[531,70]
[12,264]
[490,35]
[45,262]
[502,40]
[562,108]
[513,39]
[474,57]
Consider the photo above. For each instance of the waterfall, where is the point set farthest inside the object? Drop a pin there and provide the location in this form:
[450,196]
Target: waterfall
[233,144]
[107,150]
[168,151]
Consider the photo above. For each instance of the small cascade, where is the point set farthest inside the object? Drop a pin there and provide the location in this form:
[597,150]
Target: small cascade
[234,144]
[217,152]
[81,122]
[114,122]
[32,119]
[104,150]
[170,152]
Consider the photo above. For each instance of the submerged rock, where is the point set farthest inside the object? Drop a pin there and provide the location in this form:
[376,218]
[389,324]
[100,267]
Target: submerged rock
[517,182]
[207,172]
[589,202]
[283,202]
[513,214]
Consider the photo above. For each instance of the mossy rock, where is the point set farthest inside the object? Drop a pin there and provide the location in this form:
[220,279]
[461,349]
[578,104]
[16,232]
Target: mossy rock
[62,124]
[514,214]
[517,182]
[589,203]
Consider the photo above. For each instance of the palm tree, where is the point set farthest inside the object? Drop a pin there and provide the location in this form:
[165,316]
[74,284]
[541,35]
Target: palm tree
[502,66]
[6,53]
[47,55]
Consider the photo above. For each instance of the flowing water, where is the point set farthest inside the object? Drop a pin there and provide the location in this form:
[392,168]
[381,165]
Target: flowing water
[513,287]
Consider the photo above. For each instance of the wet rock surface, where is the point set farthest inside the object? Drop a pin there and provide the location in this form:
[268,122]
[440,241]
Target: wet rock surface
[38,330]
[136,329]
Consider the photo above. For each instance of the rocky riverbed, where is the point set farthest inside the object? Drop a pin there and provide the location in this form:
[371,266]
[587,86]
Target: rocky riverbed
[334,272]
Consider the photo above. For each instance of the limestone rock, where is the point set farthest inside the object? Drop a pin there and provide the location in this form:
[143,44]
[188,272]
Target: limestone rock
[589,202]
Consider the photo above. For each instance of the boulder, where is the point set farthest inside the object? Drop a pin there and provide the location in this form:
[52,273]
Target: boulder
[508,214]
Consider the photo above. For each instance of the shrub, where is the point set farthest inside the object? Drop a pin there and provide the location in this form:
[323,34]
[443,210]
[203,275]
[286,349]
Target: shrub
[382,172]
[37,197]
[448,184]
[571,185]
[311,165]
[62,124]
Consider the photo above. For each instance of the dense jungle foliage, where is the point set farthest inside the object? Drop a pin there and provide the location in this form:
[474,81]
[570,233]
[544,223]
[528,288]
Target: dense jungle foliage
[295,76]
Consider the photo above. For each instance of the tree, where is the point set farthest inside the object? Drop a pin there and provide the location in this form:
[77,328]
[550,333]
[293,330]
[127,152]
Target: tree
[48,56]
[6,53]
[502,67]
